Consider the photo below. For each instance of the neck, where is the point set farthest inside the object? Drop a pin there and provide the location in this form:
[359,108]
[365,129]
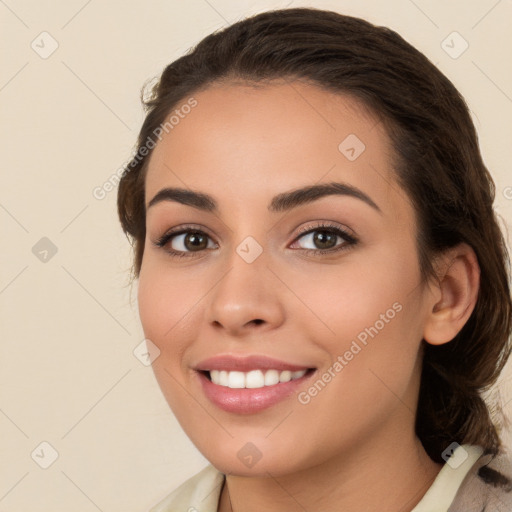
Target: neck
[389,474]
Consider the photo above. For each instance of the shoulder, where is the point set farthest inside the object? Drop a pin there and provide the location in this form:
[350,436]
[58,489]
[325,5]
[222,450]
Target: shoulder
[487,486]
[200,492]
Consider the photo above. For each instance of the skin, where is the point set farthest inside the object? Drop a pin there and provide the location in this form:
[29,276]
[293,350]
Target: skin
[355,440]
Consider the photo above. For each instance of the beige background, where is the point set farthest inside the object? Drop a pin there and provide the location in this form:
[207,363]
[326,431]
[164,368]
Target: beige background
[68,375]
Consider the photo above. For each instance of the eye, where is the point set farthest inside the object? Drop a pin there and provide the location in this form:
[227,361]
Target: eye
[189,241]
[185,241]
[326,238]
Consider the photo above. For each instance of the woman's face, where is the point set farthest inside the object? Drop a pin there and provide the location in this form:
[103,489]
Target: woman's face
[267,285]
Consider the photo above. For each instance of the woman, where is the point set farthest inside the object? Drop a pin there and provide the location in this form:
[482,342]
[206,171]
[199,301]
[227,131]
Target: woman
[321,272]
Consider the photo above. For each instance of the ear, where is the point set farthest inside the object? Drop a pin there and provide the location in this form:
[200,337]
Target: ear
[454,295]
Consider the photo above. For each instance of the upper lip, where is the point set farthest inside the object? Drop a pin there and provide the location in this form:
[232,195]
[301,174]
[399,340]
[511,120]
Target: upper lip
[246,363]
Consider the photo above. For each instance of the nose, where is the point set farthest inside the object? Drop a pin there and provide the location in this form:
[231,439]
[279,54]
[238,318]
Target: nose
[246,298]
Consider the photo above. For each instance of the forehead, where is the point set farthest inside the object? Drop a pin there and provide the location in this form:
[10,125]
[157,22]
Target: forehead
[246,143]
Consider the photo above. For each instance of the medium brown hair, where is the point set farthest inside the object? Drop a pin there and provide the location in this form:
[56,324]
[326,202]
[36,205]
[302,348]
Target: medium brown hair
[437,162]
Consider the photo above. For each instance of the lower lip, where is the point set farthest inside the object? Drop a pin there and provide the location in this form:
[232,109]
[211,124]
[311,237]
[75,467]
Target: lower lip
[247,400]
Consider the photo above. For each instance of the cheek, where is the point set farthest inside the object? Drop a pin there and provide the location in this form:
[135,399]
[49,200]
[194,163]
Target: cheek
[167,300]
[374,331]
[166,306]
[370,375]
[365,289]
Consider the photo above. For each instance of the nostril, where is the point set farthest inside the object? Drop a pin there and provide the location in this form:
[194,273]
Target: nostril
[258,321]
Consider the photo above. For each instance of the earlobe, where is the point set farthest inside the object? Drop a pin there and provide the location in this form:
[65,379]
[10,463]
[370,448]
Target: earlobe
[454,295]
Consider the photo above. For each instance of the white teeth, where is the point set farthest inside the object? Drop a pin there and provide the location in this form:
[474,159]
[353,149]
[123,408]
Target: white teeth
[223,378]
[285,376]
[236,380]
[253,379]
[271,377]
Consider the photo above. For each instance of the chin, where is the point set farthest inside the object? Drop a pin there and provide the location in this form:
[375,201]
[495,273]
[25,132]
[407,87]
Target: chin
[259,457]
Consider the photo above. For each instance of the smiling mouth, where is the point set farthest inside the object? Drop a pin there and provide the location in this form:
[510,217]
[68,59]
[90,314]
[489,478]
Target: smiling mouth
[253,379]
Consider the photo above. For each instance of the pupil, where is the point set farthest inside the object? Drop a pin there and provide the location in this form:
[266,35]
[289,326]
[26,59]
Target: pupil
[194,241]
[321,237]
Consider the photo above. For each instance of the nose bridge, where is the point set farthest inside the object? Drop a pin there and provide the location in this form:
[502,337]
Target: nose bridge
[245,295]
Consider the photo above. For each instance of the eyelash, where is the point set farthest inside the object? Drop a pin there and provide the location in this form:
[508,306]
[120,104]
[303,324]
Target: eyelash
[349,240]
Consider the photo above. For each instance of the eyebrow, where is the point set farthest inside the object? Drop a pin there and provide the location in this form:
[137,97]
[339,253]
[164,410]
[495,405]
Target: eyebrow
[281,202]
